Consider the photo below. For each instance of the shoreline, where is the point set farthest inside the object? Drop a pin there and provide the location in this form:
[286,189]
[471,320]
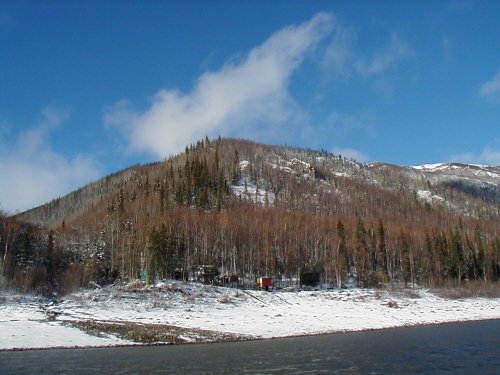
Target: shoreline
[131,345]
[189,313]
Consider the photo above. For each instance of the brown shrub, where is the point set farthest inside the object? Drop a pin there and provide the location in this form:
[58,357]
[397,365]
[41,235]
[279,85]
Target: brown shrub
[469,289]
[30,278]
[73,278]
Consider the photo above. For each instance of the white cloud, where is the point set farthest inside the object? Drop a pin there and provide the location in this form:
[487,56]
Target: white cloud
[349,55]
[383,60]
[491,89]
[236,100]
[351,153]
[344,123]
[33,174]
[340,53]
[490,155]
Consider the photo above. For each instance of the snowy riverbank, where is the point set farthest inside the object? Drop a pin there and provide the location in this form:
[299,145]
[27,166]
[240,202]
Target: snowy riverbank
[189,312]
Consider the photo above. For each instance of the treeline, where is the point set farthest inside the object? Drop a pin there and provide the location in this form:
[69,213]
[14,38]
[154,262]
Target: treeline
[252,242]
[295,211]
[30,259]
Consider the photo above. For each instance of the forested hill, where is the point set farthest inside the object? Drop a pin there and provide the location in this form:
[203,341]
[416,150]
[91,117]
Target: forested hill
[252,209]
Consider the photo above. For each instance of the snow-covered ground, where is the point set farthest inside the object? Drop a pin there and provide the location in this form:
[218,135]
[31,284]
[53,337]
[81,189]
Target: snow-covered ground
[31,323]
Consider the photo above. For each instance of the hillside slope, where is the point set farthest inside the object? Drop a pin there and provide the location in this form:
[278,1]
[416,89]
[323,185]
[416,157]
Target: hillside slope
[251,209]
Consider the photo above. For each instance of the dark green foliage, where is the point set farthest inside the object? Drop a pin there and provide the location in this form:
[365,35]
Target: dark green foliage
[159,254]
[406,266]
[208,274]
[381,255]
[25,252]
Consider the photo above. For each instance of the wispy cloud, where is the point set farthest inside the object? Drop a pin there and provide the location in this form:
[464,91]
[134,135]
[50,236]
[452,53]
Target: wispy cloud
[384,59]
[237,99]
[490,155]
[347,55]
[343,123]
[350,56]
[491,88]
[339,54]
[33,174]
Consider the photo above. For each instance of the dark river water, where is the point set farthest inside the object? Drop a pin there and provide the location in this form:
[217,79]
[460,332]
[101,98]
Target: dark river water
[456,348]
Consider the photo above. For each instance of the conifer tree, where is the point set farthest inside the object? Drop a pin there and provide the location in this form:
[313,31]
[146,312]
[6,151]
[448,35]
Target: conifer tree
[361,253]
[405,259]
[340,257]
[381,252]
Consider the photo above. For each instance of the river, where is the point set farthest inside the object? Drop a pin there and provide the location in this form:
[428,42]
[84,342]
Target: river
[454,348]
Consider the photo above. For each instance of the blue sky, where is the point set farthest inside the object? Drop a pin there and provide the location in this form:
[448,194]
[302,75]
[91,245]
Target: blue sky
[90,88]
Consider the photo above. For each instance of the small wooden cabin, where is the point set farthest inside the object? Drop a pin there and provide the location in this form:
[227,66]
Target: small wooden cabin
[309,279]
[264,283]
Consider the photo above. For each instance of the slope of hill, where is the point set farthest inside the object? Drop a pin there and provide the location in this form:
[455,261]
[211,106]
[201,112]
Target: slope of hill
[454,183]
[250,209]
[476,180]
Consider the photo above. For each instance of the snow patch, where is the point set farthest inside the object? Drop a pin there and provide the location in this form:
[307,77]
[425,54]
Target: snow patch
[428,196]
[431,167]
[249,191]
[244,164]
[253,313]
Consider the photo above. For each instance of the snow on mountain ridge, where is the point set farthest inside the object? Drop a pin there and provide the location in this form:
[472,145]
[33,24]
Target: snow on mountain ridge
[475,179]
[466,170]
[430,167]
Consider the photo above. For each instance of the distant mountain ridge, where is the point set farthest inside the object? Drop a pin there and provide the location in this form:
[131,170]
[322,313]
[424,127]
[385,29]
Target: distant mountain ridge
[485,173]
[477,180]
